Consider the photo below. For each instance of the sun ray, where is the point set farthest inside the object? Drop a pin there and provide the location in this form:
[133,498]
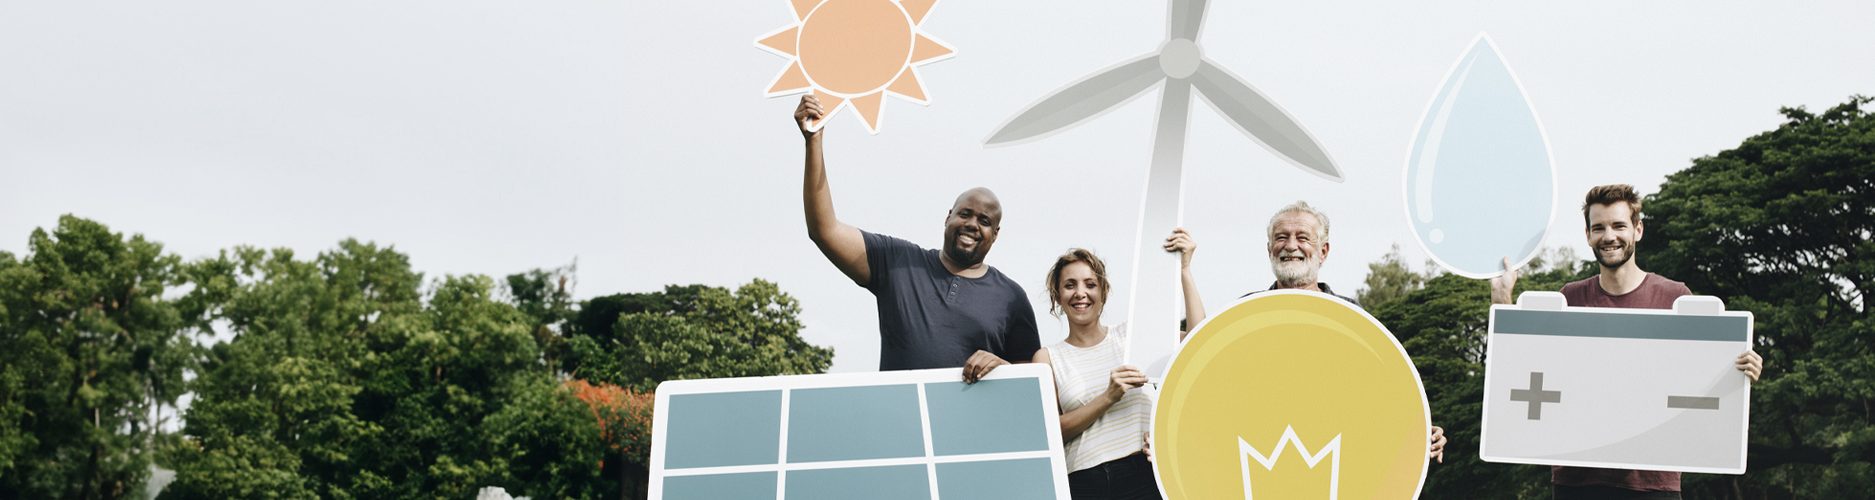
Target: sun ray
[783,41]
[917,9]
[802,7]
[790,81]
[868,108]
[829,104]
[908,86]
[928,49]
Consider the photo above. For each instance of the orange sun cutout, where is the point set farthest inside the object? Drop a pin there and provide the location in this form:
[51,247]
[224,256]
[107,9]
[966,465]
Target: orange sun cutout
[850,53]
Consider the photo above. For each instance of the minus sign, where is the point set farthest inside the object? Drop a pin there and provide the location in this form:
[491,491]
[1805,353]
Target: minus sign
[1693,402]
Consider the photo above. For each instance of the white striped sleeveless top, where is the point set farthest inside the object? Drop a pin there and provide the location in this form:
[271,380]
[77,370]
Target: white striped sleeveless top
[1081,374]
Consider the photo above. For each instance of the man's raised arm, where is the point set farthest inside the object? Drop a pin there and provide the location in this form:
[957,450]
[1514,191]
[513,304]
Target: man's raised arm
[842,244]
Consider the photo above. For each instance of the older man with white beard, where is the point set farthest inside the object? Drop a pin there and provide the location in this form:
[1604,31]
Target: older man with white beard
[1298,245]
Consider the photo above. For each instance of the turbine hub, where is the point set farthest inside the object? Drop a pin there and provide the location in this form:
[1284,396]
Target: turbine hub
[1179,58]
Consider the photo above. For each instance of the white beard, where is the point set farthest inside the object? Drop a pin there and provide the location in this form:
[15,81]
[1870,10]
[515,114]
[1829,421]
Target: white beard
[1295,272]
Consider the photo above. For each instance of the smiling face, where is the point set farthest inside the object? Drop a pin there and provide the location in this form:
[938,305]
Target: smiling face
[1612,232]
[970,227]
[1078,287]
[1080,293]
[1296,248]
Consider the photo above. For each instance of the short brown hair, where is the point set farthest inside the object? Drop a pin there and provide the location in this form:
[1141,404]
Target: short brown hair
[1608,195]
[1072,256]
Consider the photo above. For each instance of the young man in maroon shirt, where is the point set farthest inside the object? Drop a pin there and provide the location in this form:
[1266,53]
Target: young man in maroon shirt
[1612,216]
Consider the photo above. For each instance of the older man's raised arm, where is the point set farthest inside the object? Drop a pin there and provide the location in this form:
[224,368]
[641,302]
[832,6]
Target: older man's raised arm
[843,244]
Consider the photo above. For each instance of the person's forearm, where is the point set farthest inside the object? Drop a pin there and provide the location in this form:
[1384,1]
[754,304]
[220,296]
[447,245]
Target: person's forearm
[1075,422]
[815,195]
[1194,305]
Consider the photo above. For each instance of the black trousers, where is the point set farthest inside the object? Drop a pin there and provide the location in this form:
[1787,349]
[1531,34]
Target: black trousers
[1607,493]
[1128,478]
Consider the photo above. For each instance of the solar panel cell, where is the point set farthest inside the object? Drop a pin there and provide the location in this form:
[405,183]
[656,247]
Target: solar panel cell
[1002,479]
[747,486]
[724,429]
[854,423]
[899,482]
[991,416]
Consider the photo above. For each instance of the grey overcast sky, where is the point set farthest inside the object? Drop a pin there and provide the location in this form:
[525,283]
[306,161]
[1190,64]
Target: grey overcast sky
[496,136]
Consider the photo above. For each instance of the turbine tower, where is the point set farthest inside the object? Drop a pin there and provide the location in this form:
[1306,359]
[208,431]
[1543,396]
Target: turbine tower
[1181,67]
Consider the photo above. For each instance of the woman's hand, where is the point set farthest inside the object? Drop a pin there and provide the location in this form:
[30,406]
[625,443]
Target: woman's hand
[1123,378]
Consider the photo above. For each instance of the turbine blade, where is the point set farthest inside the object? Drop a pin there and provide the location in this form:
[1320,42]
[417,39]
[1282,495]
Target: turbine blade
[1186,17]
[1082,100]
[1262,120]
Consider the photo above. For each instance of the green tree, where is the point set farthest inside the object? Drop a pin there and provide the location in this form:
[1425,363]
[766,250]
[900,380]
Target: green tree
[552,444]
[90,351]
[1388,279]
[346,380]
[1443,326]
[546,297]
[692,331]
[346,375]
[275,412]
[1781,226]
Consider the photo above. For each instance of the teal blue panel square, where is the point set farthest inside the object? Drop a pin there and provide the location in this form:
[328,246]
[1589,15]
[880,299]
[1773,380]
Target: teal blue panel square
[990,416]
[722,429]
[1026,479]
[745,486]
[897,482]
[854,423]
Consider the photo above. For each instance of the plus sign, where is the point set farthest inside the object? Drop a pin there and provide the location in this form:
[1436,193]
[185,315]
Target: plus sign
[1536,396]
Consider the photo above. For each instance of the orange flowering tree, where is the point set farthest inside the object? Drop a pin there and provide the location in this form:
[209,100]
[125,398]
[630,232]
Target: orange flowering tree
[624,417]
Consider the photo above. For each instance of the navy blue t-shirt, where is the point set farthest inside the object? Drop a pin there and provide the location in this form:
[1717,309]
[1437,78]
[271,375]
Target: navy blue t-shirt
[930,318]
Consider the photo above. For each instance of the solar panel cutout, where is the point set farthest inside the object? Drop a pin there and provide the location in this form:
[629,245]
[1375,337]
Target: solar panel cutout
[919,434]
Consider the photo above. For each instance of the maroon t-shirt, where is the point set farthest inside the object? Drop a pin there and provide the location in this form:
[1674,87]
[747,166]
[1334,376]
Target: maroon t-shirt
[1655,292]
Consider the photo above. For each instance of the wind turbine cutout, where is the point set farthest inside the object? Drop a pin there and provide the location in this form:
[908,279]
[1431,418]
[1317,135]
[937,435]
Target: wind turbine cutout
[1153,308]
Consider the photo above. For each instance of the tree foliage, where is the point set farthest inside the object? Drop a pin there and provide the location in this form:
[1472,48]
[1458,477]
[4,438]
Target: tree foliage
[553,446]
[623,416]
[545,296]
[1443,325]
[638,340]
[90,351]
[1780,226]
[1388,279]
[348,378]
